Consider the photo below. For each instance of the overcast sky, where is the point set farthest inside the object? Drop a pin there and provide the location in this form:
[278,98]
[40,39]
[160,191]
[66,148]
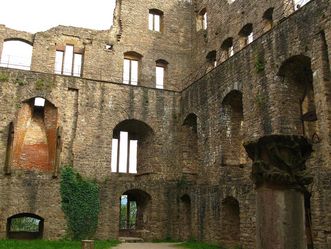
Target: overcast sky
[40,15]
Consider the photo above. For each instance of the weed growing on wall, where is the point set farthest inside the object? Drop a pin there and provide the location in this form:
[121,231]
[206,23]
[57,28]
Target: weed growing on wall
[4,77]
[80,203]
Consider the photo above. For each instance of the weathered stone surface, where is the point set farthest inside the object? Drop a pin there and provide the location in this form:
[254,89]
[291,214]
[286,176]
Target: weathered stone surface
[195,159]
[279,173]
[280,160]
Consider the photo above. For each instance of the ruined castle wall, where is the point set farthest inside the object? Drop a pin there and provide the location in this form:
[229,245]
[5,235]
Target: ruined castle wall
[88,121]
[226,19]
[245,97]
[265,105]
[130,33]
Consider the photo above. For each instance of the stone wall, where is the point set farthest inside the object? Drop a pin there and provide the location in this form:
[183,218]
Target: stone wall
[193,165]
[266,102]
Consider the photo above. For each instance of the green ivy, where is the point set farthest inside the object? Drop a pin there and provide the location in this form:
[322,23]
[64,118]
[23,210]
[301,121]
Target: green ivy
[260,100]
[42,84]
[20,82]
[3,77]
[259,65]
[80,203]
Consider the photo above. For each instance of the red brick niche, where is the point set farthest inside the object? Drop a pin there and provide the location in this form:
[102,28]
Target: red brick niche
[34,146]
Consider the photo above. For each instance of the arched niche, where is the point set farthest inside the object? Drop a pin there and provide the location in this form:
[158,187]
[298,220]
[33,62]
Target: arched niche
[36,133]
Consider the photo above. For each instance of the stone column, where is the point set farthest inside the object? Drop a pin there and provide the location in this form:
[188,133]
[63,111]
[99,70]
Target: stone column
[279,174]
[87,244]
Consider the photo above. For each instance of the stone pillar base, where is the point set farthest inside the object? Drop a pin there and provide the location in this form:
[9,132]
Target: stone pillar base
[280,218]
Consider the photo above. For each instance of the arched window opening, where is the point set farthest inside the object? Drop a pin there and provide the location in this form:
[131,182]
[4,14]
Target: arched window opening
[160,73]
[25,226]
[299,108]
[131,68]
[35,142]
[190,144]
[246,35]
[155,20]
[16,54]
[232,121]
[131,147]
[268,19]
[230,221]
[202,20]
[211,59]
[227,48]
[135,206]
[69,60]
[185,214]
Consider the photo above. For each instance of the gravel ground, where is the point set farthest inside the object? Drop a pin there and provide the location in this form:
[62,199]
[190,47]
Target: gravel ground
[146,246]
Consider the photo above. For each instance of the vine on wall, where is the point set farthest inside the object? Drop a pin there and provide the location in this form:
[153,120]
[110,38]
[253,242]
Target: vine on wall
[80,203]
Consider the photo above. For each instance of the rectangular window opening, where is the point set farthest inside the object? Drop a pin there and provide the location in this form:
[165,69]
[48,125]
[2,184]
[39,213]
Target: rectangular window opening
[231,51]
[58,62]
[205,21]
[68,58]
[250,38]
[114,152]
[134,72]
[123,152]
[68,62]
[154,22]
[133,156]
[77,64]
[159,77]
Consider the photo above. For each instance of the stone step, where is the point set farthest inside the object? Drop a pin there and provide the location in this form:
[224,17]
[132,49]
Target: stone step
[130,239]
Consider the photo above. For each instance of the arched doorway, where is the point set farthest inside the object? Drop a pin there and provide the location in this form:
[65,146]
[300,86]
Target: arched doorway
[190,144]
[25,226]
[230,221]
[185,218]
[135,207]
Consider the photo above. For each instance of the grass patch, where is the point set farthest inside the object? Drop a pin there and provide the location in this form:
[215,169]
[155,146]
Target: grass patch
[45,244]
[199,245]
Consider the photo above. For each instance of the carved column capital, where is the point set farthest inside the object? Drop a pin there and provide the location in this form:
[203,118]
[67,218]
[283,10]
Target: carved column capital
[280,160]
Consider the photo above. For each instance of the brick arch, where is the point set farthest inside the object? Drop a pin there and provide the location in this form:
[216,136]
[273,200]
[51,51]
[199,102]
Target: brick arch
[133,55]
[134,186]
[21,210]
[29,95]
[21,39]
[293,51]
[236,86]
[187,114]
